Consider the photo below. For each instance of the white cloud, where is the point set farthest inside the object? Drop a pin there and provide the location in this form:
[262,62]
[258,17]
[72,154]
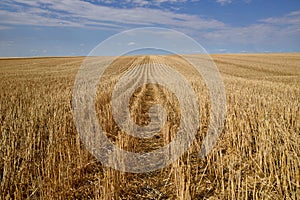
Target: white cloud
[6,43]
[21,18]
[4,27]
[83,14]
[270,31]
[131,43]
[222,50]
[223,2]
[292,18]
[142,2]
[241,35]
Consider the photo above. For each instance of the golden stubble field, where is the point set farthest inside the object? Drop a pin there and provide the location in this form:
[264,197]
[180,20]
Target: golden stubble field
[256,157]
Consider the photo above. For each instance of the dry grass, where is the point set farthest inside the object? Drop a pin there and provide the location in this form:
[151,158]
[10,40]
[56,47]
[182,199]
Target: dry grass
[257,156]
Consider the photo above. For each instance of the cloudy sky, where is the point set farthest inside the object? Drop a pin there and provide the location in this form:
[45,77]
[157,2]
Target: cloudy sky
[75,27]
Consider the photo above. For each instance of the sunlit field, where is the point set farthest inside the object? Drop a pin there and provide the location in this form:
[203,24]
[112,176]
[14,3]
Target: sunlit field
[256,157]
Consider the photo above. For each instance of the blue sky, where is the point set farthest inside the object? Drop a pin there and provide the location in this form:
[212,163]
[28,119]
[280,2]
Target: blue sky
[74,27]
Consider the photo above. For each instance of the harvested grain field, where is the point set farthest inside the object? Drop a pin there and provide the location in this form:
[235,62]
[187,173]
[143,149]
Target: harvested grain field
[256,157]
